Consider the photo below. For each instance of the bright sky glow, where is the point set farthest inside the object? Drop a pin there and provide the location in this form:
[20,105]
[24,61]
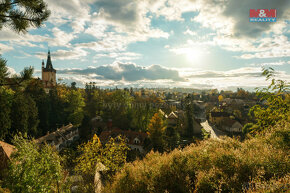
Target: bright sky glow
[156,43]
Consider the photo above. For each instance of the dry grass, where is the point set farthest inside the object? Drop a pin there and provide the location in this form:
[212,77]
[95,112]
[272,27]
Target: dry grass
[211,166]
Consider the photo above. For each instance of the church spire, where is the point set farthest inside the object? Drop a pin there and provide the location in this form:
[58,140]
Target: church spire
[48,62]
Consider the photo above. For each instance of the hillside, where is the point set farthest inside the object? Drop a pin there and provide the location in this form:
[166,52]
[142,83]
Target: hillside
[226,165]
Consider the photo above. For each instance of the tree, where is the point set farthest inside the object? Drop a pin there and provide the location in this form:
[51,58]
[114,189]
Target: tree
[112,155]
[34,169]
[75,103]
[24,115]
[156,131]
[189,118]
[6,98]
[275,103]
[19,15]
[14,80]
[3,70]
[220,98]
[36,91]
[237,114]
[172,137]
[73,85]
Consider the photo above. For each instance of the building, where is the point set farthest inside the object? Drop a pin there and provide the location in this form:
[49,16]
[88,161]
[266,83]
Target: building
[61,138]
[135,140]
[48,74]
[232,126]
[179,119]
[218,117]
[5,152]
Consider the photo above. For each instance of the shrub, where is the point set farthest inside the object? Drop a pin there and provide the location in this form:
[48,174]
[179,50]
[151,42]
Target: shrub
[225,165]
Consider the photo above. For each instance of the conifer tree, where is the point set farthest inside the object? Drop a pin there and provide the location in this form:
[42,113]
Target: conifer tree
[19,15]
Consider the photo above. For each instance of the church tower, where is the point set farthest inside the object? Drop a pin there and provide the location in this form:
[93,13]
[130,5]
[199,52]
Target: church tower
[48,74]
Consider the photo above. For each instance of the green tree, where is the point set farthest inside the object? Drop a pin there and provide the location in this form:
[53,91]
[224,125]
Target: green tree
[172,137]
[6,98]
[19,15]
[119,108]
[24,115]
[3,70]
[189,119]
[36,91]
[276,101]
[112,155]
[75,103]
[14,80]
[34,169]
[156,131]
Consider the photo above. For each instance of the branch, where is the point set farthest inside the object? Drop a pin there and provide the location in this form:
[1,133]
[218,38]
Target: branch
[23,18]
[8,4]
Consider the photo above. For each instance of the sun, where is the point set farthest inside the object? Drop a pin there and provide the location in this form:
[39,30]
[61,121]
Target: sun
[193,54]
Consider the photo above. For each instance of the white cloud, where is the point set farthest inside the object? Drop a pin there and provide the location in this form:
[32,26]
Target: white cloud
[5,48]
[73,54]
[130,74]
[278,63]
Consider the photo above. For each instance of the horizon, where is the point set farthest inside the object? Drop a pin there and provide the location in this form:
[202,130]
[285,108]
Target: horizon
[162,44]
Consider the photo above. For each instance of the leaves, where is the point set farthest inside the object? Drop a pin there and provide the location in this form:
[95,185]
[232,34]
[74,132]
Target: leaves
[21,14]
[275,103]
[33,168]
[112,155]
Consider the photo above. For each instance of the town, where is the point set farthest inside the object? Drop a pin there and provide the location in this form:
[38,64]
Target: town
[149,96]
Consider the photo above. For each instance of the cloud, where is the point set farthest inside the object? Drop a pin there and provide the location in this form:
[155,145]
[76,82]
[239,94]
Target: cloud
[242,26]
[5,48]
[241,72]
[278,63]
[128,75]
[127,72]
[232,16]
[73,54]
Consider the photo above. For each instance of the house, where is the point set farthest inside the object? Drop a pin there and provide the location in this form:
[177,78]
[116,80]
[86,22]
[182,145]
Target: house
[5,153]
[135,140]
[218,117]
[61,138]
[179,118]
[232,126]
[172,119]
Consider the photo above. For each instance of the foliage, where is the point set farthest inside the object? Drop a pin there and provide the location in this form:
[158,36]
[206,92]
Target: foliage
[172,138]
[6,98]
[36,91]
[3,70]
[205,134]
[225,165]
[74,108]
[112,155]
[277,103]
[19,15]
[220,98]
[14,80]
[34,169]
[156,131]
[24,114]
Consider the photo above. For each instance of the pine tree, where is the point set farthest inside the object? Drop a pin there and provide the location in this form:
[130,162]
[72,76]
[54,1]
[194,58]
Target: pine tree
[19,15]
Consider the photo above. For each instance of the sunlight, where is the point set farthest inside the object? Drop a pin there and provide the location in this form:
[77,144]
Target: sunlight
[193,54]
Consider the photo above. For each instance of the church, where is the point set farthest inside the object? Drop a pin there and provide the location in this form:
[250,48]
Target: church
[48,74]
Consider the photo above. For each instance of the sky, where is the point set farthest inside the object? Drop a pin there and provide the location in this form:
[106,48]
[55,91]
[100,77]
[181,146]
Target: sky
[201,44]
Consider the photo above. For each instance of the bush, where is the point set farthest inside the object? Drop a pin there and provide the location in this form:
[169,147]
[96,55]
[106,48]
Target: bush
[225,165]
